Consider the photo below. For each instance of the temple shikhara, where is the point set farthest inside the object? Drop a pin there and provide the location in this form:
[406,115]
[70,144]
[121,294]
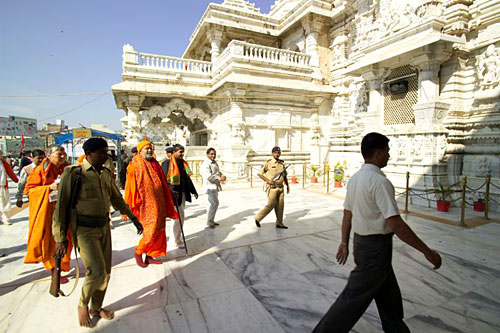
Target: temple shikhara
[314,76]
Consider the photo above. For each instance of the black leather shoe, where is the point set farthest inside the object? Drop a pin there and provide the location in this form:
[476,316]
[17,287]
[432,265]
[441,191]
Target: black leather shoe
[282,227]
[257,223]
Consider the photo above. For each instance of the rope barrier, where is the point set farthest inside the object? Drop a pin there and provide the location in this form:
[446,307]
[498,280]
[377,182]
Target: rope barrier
[476,189]
[491,199]
[422,197]
[494,185]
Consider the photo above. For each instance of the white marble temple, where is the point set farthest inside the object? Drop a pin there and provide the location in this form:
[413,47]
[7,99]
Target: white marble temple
[239,278]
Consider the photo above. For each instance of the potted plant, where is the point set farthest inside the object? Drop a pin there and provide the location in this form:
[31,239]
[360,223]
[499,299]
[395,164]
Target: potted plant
[316,172]
[338,175]
[479,205]
[441,194]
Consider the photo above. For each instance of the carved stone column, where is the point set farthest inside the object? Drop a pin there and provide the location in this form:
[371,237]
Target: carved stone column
[215,37]
[133,126]
[233,151]
[312,26]
[374,78]
[428,109]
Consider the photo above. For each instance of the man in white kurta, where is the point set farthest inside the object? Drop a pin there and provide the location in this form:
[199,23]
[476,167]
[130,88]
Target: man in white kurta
[212,177]
[5,171]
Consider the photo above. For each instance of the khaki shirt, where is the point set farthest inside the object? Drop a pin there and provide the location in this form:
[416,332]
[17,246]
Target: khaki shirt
[271,168]
[98,191]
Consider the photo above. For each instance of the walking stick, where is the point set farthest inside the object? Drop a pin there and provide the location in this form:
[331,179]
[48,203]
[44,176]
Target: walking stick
[181,223]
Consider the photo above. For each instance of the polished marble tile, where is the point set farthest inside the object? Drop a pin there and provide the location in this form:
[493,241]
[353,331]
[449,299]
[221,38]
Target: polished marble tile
[475,311]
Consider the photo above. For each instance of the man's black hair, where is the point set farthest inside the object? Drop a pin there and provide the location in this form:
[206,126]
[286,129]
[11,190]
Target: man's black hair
[209,150]
[178,147]
[94,144]
[371,143]
[38,152]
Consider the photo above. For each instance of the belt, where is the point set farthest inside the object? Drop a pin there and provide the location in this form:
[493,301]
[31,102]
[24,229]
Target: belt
[376,236]
[91,221]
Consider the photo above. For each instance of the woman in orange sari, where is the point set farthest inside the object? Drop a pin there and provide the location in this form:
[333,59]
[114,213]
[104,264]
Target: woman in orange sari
[41,187]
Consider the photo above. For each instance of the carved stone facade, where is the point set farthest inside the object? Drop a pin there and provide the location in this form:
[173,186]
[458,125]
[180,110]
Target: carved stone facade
[315,76]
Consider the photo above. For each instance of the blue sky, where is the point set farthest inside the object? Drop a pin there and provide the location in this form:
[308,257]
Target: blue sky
[70,46]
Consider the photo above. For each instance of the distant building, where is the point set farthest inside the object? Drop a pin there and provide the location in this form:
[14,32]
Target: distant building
[12,129]
[51,131]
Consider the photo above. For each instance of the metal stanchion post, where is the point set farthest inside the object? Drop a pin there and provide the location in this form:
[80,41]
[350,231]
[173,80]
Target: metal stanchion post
[487,197]
[304,175]
[407,191]
[251,176]
[324,170]
[464,186]
[327,170]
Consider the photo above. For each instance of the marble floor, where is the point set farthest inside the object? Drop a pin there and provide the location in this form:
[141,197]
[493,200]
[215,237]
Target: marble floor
[238,278]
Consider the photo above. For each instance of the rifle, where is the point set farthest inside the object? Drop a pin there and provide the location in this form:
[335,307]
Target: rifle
[55,283]
[278,176]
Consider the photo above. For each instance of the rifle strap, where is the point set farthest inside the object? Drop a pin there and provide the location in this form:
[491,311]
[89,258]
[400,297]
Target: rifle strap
[61,293]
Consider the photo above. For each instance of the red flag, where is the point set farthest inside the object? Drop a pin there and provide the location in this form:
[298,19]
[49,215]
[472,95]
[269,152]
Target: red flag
[23,141]
[145,136]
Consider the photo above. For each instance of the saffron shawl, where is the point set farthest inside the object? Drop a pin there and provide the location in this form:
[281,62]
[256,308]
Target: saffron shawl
[174,174]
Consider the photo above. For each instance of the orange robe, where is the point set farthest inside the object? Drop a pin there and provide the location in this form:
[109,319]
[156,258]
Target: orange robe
[148,195]
[41,243]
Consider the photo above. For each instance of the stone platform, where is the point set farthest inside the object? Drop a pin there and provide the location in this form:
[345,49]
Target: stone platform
[239,278]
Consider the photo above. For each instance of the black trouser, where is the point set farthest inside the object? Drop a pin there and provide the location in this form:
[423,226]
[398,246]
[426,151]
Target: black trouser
[373,278]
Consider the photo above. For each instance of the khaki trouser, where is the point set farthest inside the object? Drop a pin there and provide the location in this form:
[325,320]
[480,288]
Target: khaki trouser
[276,201]
[95,250]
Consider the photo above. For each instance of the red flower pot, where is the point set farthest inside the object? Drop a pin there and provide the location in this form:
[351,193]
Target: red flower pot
[443,206]
[314,179]
[294,180]
[479,206]
[338,184]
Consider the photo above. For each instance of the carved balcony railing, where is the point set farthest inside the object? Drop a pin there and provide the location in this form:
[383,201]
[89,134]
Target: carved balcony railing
[174,64]
[262,54]
[267,61]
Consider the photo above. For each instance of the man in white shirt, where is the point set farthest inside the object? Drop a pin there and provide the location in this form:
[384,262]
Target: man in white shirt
[38,156]
[5,171]
[371,211]
[212,177]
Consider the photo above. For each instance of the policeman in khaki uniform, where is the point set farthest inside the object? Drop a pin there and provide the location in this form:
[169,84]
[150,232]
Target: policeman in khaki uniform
[90,231]
[275,193]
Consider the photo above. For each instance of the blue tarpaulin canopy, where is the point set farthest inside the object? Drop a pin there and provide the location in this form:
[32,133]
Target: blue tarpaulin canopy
[68,137]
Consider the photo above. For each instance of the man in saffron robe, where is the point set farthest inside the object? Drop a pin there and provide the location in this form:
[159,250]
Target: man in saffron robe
[41,188]
[5,170]
[148,195]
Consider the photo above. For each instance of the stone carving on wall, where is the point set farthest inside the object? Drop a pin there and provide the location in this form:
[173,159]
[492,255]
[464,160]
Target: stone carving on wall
[402,148]
[386,17]
[417,148]
[483,166]
[338,50]
[488,65]
[238,132]
[431,8]
[196,113]
[358,97]
[393,17]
